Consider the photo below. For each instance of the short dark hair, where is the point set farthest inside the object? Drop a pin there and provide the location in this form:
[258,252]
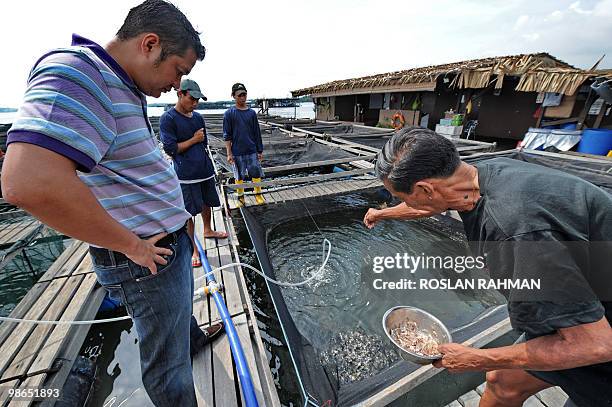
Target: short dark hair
[414,154]
[176,34]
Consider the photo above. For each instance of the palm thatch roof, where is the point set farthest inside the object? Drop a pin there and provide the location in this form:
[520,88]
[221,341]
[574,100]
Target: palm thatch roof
[539,72]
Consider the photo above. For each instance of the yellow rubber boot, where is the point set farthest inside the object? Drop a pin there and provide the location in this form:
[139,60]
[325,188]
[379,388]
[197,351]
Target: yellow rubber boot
[240,192]
[258,196]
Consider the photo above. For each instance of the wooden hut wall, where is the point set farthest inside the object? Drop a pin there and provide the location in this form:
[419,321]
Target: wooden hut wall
[509,114]
[326,108]
[370,116]
[344,107]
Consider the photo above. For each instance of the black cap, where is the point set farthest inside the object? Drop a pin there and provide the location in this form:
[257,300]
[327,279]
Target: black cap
[236,87]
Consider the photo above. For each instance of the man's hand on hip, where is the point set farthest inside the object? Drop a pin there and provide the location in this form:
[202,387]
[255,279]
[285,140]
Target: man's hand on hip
[148,255]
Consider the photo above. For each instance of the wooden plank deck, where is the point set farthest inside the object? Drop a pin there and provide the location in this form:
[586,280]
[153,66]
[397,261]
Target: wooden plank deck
[16,229]
[215,375]
[551,397]
[304,191]
[29,353]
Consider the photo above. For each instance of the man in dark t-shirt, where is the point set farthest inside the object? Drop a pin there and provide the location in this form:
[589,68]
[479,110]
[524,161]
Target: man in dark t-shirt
[530,223]
[243,142]
[182,132]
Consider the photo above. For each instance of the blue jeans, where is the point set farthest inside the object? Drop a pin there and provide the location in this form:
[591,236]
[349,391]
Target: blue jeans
[247,164]
[161,308]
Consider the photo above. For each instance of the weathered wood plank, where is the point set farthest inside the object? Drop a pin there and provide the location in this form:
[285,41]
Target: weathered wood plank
[553,396]
[469,399]
[200,305]
[68,259]
[223,376]
[12,229]
[267,382]
[232,292]
[61,334]
[25,231]
[300,180]
[313,164]
[22,331]
[34,341]
[7,239]
[533,401]
[203,372]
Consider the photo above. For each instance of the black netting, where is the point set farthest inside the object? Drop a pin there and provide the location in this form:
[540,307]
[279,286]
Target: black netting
[317,345]
[322,380]
[281,149]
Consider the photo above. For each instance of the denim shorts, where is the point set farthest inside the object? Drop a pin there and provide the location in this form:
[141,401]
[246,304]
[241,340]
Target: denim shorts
[247,164]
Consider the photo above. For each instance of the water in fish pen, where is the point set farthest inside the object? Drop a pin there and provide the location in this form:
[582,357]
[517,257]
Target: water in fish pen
[339,312]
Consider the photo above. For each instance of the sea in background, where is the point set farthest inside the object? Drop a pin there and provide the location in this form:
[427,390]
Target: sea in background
[7,115]
[303,111]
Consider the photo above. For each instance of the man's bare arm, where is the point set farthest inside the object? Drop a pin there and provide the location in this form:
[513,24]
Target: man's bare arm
[228,148]
[580,345]
[401,211]
[46,185]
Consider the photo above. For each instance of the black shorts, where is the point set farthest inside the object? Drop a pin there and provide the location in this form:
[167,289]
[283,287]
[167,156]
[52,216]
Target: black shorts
[200,194]
[587,386]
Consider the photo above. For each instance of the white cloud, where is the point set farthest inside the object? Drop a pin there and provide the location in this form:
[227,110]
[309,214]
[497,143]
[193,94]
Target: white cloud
[520,22]
[603,9]
[531,37]
[576,8]
[282,45]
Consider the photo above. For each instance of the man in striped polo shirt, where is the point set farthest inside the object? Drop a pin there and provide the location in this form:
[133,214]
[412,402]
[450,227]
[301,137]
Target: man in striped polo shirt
[83,159]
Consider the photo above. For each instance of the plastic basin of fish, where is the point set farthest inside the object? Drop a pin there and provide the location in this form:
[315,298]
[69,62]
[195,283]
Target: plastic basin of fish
[424,320]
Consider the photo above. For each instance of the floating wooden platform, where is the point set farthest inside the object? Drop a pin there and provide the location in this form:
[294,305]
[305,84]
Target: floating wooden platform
[214,372]
[16,229]
[41,356]
[36,355]
[312,190]
[551,397]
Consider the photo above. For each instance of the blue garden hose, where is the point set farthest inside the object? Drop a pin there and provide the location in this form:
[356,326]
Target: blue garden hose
[241,365]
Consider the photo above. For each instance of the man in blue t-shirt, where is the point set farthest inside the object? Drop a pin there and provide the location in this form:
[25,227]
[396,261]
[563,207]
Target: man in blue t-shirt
[243,142]
[182,133]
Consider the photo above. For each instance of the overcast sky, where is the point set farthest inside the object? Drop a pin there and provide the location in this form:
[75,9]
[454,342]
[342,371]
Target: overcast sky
[276,46]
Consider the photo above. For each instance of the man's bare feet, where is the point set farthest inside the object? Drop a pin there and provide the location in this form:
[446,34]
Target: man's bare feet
[215,235]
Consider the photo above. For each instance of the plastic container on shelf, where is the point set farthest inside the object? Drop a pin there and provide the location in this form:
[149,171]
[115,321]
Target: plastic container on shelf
[595,141]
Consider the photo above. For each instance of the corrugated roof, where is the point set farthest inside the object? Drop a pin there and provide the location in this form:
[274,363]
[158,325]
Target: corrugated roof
[545,73]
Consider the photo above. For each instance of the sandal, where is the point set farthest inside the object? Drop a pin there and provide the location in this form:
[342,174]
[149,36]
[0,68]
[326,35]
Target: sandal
[216,235]
[209,334]
[196,262]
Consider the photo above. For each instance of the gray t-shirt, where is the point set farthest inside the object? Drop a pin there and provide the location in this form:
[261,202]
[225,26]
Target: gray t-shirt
[537,222]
